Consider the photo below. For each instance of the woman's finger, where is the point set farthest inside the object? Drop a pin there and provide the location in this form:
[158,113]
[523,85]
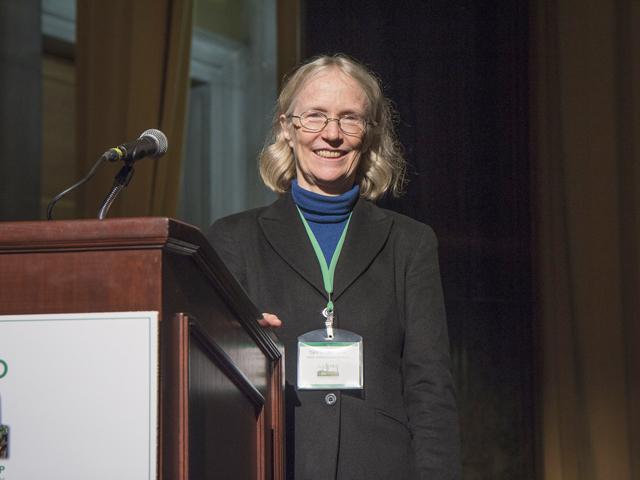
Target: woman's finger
[270,320]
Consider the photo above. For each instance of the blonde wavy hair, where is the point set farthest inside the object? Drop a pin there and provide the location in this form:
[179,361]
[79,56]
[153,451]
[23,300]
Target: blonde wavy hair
[382,166]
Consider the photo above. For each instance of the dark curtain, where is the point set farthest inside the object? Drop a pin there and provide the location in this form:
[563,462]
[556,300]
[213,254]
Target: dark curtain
[457,72]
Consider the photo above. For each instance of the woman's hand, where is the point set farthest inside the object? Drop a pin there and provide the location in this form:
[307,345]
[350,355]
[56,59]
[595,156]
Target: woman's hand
[270,320]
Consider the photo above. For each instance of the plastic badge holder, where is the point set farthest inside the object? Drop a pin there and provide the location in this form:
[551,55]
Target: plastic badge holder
[330,364]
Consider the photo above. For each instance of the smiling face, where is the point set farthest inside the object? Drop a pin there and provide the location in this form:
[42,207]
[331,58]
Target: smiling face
[326,161]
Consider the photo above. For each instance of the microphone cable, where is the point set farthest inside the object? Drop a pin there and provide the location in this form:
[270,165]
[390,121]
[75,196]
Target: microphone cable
[80,182]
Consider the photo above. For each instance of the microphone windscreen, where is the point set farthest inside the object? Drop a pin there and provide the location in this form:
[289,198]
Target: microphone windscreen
[160,138]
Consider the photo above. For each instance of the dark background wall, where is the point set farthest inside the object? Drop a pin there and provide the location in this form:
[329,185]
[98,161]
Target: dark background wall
[20,109]
[457,73]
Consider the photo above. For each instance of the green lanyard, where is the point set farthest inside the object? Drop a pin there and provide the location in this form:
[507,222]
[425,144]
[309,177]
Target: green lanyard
[328,271]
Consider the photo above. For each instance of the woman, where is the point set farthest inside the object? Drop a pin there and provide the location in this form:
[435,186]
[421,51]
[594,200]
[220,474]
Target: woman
[332,153]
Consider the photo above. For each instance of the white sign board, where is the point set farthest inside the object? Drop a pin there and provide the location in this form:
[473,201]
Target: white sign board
[79,395]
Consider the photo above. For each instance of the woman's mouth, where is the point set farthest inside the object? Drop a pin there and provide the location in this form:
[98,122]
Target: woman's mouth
[329,153]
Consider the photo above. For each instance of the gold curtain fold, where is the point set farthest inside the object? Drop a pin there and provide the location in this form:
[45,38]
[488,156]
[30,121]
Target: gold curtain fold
[585,138]
[132,60]
[288,30]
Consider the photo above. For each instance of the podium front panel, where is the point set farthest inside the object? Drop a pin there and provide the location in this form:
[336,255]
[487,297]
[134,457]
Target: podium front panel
[79,396]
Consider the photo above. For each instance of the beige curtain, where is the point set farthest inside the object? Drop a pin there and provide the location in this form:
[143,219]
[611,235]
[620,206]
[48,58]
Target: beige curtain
[132,63]
[586,147]
[289,41]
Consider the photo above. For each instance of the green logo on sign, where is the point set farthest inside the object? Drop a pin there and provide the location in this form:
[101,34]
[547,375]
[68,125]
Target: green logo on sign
[3,368]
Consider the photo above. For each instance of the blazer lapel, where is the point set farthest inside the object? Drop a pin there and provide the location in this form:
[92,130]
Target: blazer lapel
[285,232]
[368,231]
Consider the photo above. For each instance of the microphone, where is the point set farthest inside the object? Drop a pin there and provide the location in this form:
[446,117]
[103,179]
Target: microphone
[151,143]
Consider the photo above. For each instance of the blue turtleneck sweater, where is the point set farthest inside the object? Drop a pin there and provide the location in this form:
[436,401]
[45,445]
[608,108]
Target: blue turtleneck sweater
[326,215]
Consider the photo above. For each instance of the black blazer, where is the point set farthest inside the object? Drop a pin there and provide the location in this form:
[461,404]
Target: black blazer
[387,288]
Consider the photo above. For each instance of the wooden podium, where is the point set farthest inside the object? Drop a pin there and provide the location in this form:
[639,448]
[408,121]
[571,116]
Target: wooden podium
[220,379]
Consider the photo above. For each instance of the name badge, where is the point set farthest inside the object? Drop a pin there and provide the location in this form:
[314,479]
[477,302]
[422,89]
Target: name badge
[330,364]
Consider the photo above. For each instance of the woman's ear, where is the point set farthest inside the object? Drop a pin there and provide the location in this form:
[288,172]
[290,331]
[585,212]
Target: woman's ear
[284,125]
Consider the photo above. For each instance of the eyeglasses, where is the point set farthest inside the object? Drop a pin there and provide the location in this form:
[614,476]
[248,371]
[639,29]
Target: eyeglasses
[350,124]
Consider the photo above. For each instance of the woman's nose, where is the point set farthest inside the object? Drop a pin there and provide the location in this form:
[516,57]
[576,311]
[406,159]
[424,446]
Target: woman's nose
[332,130]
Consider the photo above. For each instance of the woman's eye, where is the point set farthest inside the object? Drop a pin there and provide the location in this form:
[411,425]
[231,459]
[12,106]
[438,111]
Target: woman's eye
[351,119]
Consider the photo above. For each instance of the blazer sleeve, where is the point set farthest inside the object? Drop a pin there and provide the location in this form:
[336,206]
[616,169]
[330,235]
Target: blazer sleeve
[228,244]
[429,392]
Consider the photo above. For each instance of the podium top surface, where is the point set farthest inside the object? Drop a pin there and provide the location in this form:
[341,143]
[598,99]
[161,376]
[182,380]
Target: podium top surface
[93,234]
